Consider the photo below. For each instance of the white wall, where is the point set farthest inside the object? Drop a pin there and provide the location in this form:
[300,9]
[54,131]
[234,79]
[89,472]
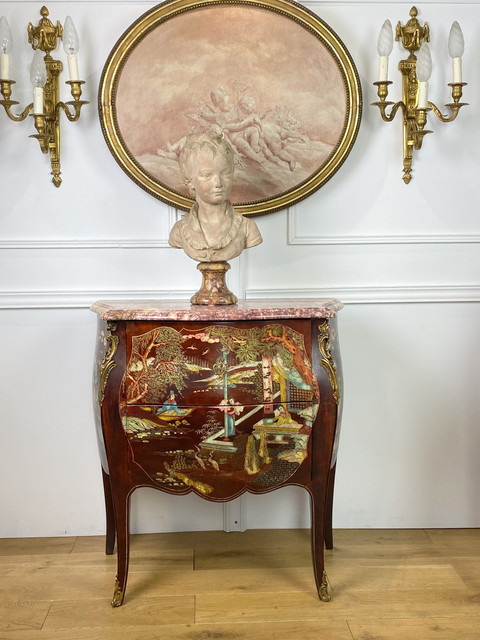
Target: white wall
[404,259]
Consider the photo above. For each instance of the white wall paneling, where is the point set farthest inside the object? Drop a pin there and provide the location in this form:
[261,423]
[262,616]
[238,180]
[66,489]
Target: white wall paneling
[404,260]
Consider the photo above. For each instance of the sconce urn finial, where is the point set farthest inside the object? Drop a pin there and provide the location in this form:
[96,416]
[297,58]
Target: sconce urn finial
[45,35]
[412,34]
[416,70]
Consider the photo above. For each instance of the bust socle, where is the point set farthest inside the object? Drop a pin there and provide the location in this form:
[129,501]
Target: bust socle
[212,231]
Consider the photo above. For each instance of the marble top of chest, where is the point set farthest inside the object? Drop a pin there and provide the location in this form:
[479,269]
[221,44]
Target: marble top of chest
[262,309]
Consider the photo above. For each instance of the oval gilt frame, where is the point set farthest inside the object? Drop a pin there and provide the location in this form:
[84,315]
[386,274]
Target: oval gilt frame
[273,76]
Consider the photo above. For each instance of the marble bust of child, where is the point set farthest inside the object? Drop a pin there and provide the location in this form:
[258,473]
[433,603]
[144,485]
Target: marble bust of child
[212,231]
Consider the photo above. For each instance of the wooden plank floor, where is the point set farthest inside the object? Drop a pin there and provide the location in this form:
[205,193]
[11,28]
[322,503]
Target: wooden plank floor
[385,585]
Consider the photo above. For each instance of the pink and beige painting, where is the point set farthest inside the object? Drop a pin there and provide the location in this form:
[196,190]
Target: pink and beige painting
[268,83]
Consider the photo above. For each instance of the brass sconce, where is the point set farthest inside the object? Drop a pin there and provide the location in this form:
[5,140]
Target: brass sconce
[415,72]
[44,75]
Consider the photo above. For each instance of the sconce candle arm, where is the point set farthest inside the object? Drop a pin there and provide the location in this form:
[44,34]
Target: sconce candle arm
[6,89]
[7,104]
[393,111]
[77,105]
[383,103]
[455,108]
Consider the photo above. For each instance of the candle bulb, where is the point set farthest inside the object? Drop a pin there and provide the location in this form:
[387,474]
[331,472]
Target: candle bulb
[5,46]
[38,78]
[456,47]
[70,45]
[384,49]
[424,69]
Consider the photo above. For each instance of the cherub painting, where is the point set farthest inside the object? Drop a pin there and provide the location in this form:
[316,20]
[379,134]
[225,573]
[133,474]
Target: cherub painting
[280,103]
[253,137]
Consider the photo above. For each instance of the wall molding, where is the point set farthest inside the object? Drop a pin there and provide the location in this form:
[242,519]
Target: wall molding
[111,243]
[97,243]
[292,240]
[10,300]
[79,299]
[378,295]
[365,240]
[295,238]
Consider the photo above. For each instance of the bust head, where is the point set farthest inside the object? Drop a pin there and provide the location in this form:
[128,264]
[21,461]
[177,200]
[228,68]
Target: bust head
[205,160]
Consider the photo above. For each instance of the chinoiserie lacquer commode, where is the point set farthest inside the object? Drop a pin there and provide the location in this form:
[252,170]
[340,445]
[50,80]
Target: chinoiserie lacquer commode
[217,400]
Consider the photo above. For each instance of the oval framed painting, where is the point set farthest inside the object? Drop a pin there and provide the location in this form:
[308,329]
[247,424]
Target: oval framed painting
[272,76]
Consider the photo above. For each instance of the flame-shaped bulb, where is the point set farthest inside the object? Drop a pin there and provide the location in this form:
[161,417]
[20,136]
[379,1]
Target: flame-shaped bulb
[38,78]
[456,43]
[456,46]
[424,69]
[424,63]
[38,70]
[5,46]
[5,36]
[384,48]
[70,37]
[385,39]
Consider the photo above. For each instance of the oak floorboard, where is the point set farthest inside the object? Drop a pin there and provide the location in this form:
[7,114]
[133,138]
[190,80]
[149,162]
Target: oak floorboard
[465,628]
[249,558]
[95,561]
[317,630]
[153,611]
[377,537]
[458,542]
[20,546]
[83,585]
[22,615]
[255,607]
[468,570]
[60,586]
[220,581]
[395,555]
[364,576]
[204,540]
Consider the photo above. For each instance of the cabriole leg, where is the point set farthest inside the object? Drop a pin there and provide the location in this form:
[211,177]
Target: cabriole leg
[121,501]
[318,536]
[329,508]
[109,514]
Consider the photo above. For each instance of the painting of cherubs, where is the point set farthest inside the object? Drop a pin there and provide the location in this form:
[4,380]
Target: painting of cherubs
[281,102]
[212,231]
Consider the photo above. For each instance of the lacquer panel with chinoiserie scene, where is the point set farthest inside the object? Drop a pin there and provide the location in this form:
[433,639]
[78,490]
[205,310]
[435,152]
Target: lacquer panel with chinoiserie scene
[216,409]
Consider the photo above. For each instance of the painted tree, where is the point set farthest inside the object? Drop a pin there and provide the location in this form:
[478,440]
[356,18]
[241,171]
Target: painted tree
[156,365]
[266,345]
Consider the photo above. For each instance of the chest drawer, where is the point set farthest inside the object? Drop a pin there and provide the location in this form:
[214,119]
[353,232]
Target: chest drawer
[184,365]
[219,452]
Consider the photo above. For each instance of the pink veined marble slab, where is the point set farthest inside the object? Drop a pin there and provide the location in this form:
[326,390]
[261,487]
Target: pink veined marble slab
[244,310]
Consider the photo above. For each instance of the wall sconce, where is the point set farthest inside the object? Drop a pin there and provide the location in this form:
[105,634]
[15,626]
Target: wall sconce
[416,73]
[44,76]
